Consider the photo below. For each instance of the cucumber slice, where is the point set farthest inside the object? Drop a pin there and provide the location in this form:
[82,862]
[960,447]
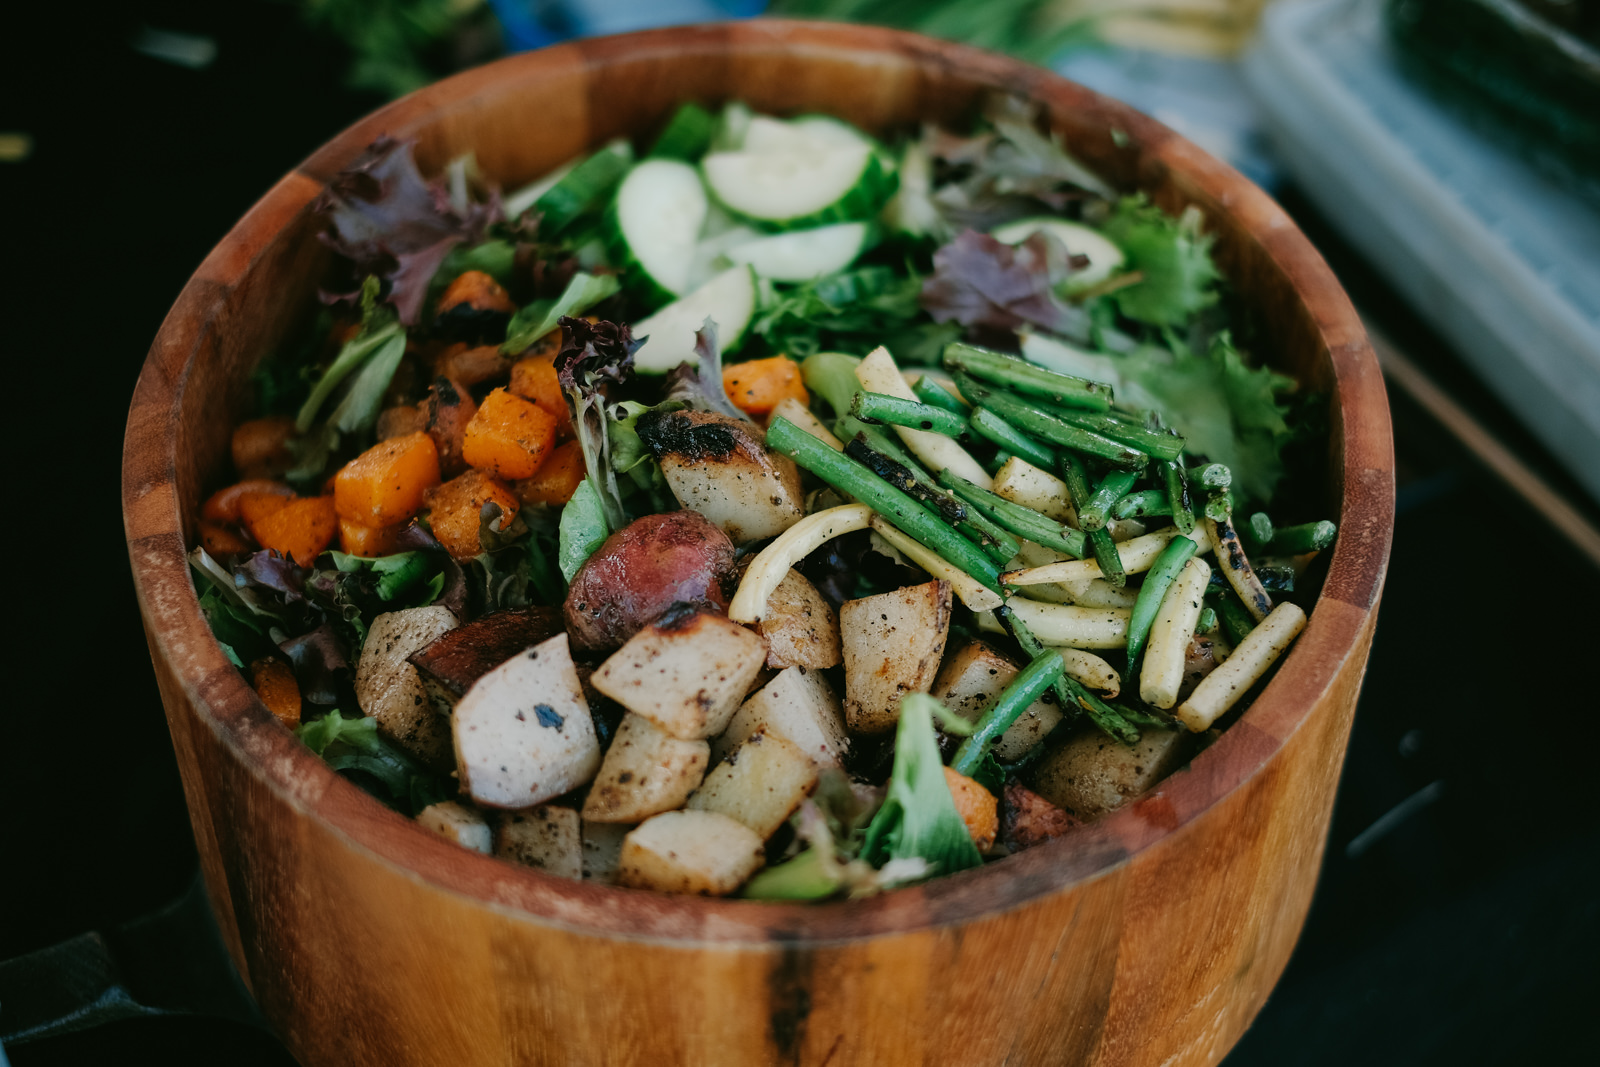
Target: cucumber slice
[731,126]
[577,189]
[801,255]
[654,223]
[711,254]
[791,190]
[687,134]
[808,133]
[729,300]
[1105,258]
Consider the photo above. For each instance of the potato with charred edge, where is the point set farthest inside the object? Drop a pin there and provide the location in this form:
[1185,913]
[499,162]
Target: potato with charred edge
[892,645]
[760,783]
[545,837]
[474,307]
[456,822]
[1090,774]
[686,672]
[798,706]
[646,771]
[451,662]
[389,689]
[602,849]
[523,732]
[972,678]
[698,852]
[642,570]
[719,466]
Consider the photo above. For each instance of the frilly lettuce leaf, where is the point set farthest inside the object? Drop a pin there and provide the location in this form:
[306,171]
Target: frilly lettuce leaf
[1172,254]
[353,744]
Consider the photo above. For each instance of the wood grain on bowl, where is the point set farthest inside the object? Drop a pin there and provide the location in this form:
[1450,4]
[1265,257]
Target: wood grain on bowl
[1150,937]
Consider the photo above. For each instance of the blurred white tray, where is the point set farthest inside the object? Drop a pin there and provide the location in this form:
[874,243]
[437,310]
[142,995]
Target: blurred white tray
[1502,262]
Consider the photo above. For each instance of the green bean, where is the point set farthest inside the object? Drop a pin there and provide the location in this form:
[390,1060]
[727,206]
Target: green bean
[999,460]
[1208,620]
[991,538]
[879,407]
[1260,529]
[1156,583]
[1178,497]
[1162,444]
[1212,476]
[901,478]
[1231,614]
[1070,692]
[1008,705]
[1113,487]
[1219,505]
[1076,476]
[1025,377]
[1307,537]
[1035,423]
[992,427]
[1144,504]
[1110,560]
[931,392]
[1024,522]
[848,476]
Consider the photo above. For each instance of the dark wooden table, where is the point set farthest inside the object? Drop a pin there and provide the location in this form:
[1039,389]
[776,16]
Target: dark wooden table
[1455,920]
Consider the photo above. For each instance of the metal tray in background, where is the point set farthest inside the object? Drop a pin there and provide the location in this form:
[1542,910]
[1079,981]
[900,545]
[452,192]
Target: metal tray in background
[1501,261]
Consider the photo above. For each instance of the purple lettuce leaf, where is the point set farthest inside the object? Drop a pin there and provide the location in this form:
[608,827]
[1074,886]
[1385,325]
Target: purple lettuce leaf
[593,356]
[979,281]
[700,386]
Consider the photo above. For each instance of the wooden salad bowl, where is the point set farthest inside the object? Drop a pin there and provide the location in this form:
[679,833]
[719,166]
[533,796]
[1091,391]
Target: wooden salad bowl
[1151,937]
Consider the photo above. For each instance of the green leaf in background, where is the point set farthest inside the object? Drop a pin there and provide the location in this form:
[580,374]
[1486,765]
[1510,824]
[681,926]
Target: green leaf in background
[354,744]
[918,819]
[1028,29]
[535,320]
[583,529]
[1173,256]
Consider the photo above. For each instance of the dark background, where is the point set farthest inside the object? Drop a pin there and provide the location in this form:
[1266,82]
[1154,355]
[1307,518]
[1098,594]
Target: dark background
[1463,930]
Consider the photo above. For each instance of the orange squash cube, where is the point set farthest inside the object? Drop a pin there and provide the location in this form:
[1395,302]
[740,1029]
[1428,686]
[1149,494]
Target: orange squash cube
[370,541]
[255,506]
[478,291]
[455,510]
[300,530]
[224,504]
[756,387]
[534,378]
[509,436]
[557,479]
[222,540]
[385,485]
[977,807]
[275,683]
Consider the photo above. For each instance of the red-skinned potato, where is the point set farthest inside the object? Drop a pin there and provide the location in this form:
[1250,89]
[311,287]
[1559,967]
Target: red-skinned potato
[642,570]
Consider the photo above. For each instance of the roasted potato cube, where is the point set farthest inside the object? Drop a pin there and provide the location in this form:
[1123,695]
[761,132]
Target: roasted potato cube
[686,672]
[545,837]
[892,644]
[973,677]
[698,852]
[389,689]
[719,466]
[459,823]
[800,626]
[646,771]
[1090,774]
[523,733]
[602,849]
[760,783]
[451,662]
[798,706]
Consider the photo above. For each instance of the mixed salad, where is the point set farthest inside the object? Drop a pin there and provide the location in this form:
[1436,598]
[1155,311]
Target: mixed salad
[781,510]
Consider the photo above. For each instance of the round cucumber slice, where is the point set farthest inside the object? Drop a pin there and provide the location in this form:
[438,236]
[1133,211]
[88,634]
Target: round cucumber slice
[801,255]
[729,300]
[795,189]
[1105,258]
[809,133]
[655,222]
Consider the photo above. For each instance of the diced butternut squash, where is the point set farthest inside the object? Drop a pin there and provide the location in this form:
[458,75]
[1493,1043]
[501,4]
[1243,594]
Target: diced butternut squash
[533,377]
[557,479]
[222,540]
[449,409]
[386,483]
[455,510]
[977,807]
[274,682]
[369,541]
[223,505]
[253,507]
[758,386]
[509,436]
[478,291]
[301,530]
[261,447]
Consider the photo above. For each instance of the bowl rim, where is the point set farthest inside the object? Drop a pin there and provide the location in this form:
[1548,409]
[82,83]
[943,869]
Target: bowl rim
[295,777]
